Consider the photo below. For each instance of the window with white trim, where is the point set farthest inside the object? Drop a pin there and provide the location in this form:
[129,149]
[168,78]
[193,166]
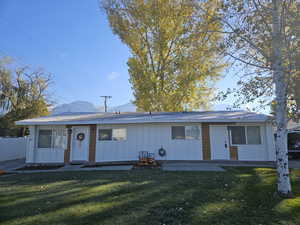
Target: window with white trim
[185,132]
[253,135]
[52,138]
[119,134]
[178,132]
[114,134]
[243,135]
[45,139]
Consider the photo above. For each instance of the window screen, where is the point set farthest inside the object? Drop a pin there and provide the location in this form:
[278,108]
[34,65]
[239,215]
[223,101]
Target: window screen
[45,139]
[119,134]
[192,132]
[105,134]
[178,132]
[59,138]
[253,135]
[238,135]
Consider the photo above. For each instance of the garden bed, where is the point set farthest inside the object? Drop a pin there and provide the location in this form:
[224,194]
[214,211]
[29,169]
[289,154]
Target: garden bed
[41,167]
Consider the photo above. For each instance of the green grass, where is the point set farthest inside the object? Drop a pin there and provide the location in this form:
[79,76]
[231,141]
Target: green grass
[238,196]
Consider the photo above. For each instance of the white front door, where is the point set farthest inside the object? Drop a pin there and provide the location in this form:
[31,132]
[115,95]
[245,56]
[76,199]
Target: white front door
[219,142]
[80,143]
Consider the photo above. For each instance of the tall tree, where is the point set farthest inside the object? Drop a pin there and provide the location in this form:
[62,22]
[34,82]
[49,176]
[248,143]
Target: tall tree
[175,58]
[23,93]
[284,186]
[256,82]
[260,35]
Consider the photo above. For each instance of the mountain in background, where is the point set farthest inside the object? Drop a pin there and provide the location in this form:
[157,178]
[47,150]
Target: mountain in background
[77,106]
[128,107]
[84,106]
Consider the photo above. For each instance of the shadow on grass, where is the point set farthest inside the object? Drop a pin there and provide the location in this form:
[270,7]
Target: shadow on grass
[239,196]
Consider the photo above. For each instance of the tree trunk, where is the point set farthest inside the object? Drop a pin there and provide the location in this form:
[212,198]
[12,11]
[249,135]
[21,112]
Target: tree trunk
[284,185]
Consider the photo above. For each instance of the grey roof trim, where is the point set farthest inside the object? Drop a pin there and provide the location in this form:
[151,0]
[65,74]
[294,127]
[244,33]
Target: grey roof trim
[140,122]
[142,118]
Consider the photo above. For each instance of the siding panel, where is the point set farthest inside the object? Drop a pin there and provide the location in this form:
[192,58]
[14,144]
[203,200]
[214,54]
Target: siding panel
[255,152]
[49,156]
[148,138]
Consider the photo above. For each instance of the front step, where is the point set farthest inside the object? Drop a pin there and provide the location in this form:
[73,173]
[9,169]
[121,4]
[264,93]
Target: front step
[78,162]
[72,167]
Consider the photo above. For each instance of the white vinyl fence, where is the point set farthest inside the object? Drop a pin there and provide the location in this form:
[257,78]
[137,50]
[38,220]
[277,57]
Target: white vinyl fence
[12,148]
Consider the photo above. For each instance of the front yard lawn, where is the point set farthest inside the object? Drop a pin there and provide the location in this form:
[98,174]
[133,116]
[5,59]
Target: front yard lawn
[238,196]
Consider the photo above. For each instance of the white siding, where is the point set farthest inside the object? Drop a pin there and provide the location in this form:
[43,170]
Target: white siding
[49,156]
[43,155]
[255,152]
[147,138]
[248,152]
[252,153]
[151,137]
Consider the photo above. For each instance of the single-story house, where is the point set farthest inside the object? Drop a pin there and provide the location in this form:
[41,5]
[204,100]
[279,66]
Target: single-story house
[110,137]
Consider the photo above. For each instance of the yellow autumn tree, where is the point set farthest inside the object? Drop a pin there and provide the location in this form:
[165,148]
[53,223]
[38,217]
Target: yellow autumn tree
[175,58]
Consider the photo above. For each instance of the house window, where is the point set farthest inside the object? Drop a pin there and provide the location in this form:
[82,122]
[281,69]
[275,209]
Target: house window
[241,135]
[192,132]
[119,134]
[253,135]
[185,132]
[105,134]
[45,139]
[178,132]
[52,138]
[116,134]
[59,137]
[238,135]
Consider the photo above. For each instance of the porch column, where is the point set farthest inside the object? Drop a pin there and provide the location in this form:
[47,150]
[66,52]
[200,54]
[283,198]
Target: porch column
[233,152]
[68,150]
[206,148]
[92,145]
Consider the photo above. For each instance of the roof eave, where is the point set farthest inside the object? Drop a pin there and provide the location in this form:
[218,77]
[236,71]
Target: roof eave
[28,123]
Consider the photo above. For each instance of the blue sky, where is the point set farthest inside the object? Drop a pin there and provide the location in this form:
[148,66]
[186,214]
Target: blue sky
[72,40]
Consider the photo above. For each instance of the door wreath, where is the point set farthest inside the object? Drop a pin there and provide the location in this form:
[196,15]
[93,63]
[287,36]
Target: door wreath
[80,136]
[162,152]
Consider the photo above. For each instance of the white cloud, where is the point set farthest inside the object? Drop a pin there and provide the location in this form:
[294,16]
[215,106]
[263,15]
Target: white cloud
[113,76]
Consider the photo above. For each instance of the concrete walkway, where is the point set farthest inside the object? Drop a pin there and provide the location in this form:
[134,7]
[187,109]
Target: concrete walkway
[184,166]
[12,164]
[76,168]
[292,164]
[97,168]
